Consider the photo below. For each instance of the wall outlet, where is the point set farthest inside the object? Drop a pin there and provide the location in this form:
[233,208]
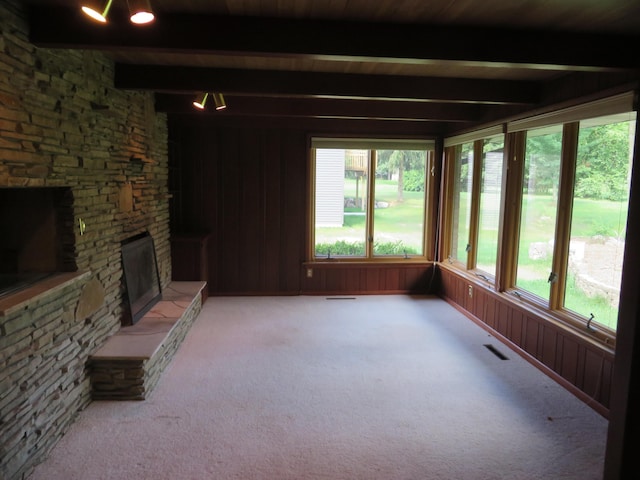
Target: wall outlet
[309,272]
[470,291]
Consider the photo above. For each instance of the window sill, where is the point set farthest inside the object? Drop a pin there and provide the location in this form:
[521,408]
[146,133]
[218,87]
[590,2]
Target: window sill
[343,262]
[17,301]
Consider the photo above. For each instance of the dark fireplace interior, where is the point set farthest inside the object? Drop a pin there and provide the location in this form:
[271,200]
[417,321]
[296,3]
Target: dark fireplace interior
[37,238]
[142,280]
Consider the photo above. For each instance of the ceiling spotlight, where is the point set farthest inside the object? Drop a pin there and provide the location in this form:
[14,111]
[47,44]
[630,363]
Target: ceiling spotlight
[200,101]
[218,99]
[96,9]
[140,11]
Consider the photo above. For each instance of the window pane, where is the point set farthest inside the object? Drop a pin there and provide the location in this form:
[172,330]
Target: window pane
[539,207]
[489,218]
[340,202]
[462,201]
[398,219]
[601,195]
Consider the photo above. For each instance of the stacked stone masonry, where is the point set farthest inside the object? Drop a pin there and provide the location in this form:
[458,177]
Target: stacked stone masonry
[63,123]
[130,363]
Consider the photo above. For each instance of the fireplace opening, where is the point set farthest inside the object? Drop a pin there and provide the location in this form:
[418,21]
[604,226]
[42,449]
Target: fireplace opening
[142,281]
[36,235]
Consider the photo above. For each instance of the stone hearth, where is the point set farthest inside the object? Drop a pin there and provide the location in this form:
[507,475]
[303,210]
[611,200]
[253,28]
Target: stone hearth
[128,366]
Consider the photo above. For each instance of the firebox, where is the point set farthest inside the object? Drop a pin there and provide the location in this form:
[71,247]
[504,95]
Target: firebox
[141,277]
[36,235]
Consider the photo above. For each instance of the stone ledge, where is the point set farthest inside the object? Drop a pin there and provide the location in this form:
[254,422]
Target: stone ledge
[129,364]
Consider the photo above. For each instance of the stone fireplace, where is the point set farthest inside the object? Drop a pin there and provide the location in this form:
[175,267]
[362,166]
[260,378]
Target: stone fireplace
[64,163]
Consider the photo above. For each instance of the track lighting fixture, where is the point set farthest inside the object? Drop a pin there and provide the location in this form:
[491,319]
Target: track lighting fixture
[201,101]
[97,9]
[218,100]
[139,10]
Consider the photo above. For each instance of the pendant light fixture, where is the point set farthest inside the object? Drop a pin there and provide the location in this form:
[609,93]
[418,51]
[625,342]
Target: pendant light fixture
[140,12]
[97,9]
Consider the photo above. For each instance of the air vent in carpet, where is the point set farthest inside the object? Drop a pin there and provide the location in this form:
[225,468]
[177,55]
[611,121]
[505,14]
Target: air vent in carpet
[341,298]
[496,352]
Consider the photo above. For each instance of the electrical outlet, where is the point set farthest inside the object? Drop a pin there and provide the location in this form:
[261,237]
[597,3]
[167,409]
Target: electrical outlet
[309,272]
[470,291]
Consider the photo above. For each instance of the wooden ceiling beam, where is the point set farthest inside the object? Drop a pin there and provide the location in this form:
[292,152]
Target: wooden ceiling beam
[338,40]
[317,125]
[321,84]
[331,108]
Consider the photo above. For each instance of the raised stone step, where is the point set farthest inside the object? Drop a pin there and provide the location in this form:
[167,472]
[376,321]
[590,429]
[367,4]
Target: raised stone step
[128,366]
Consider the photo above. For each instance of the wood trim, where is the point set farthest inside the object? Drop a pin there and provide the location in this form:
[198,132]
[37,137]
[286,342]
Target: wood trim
[311,202]
[563,217]
[446,203]
[509,228]
[371,196]
[474,216]
[432,186]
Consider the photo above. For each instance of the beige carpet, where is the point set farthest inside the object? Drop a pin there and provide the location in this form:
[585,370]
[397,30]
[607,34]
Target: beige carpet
[377,387]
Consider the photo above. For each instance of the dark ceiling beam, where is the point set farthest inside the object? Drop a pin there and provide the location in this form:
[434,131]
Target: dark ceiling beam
[322,84]
[331,108]
[316,125]
[338,40]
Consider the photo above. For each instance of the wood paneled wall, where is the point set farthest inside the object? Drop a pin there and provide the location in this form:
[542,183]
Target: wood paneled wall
[247,187]
[367,279]
[573,359]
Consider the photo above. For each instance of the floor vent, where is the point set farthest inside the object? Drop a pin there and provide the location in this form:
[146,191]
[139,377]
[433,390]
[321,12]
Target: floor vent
[496,352]
[341,298]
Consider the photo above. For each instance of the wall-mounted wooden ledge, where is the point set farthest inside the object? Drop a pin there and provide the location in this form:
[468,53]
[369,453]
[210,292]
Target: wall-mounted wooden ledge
[49,286]
[342,263]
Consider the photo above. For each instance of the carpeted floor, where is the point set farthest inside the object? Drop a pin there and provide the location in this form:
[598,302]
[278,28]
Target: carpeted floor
[377,387]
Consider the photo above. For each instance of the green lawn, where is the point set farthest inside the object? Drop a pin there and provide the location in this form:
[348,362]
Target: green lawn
[401,223]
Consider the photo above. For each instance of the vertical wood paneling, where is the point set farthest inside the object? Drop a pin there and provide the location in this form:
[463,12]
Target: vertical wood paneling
[571,357]
[516,327]
[502,318]
[490,313]
[593,383]
[569,353]
[354,279]
[530,340]
[246,186]
[549,347]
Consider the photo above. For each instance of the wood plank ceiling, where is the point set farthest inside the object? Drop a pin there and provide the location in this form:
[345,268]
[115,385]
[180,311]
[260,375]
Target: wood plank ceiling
[435,67]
